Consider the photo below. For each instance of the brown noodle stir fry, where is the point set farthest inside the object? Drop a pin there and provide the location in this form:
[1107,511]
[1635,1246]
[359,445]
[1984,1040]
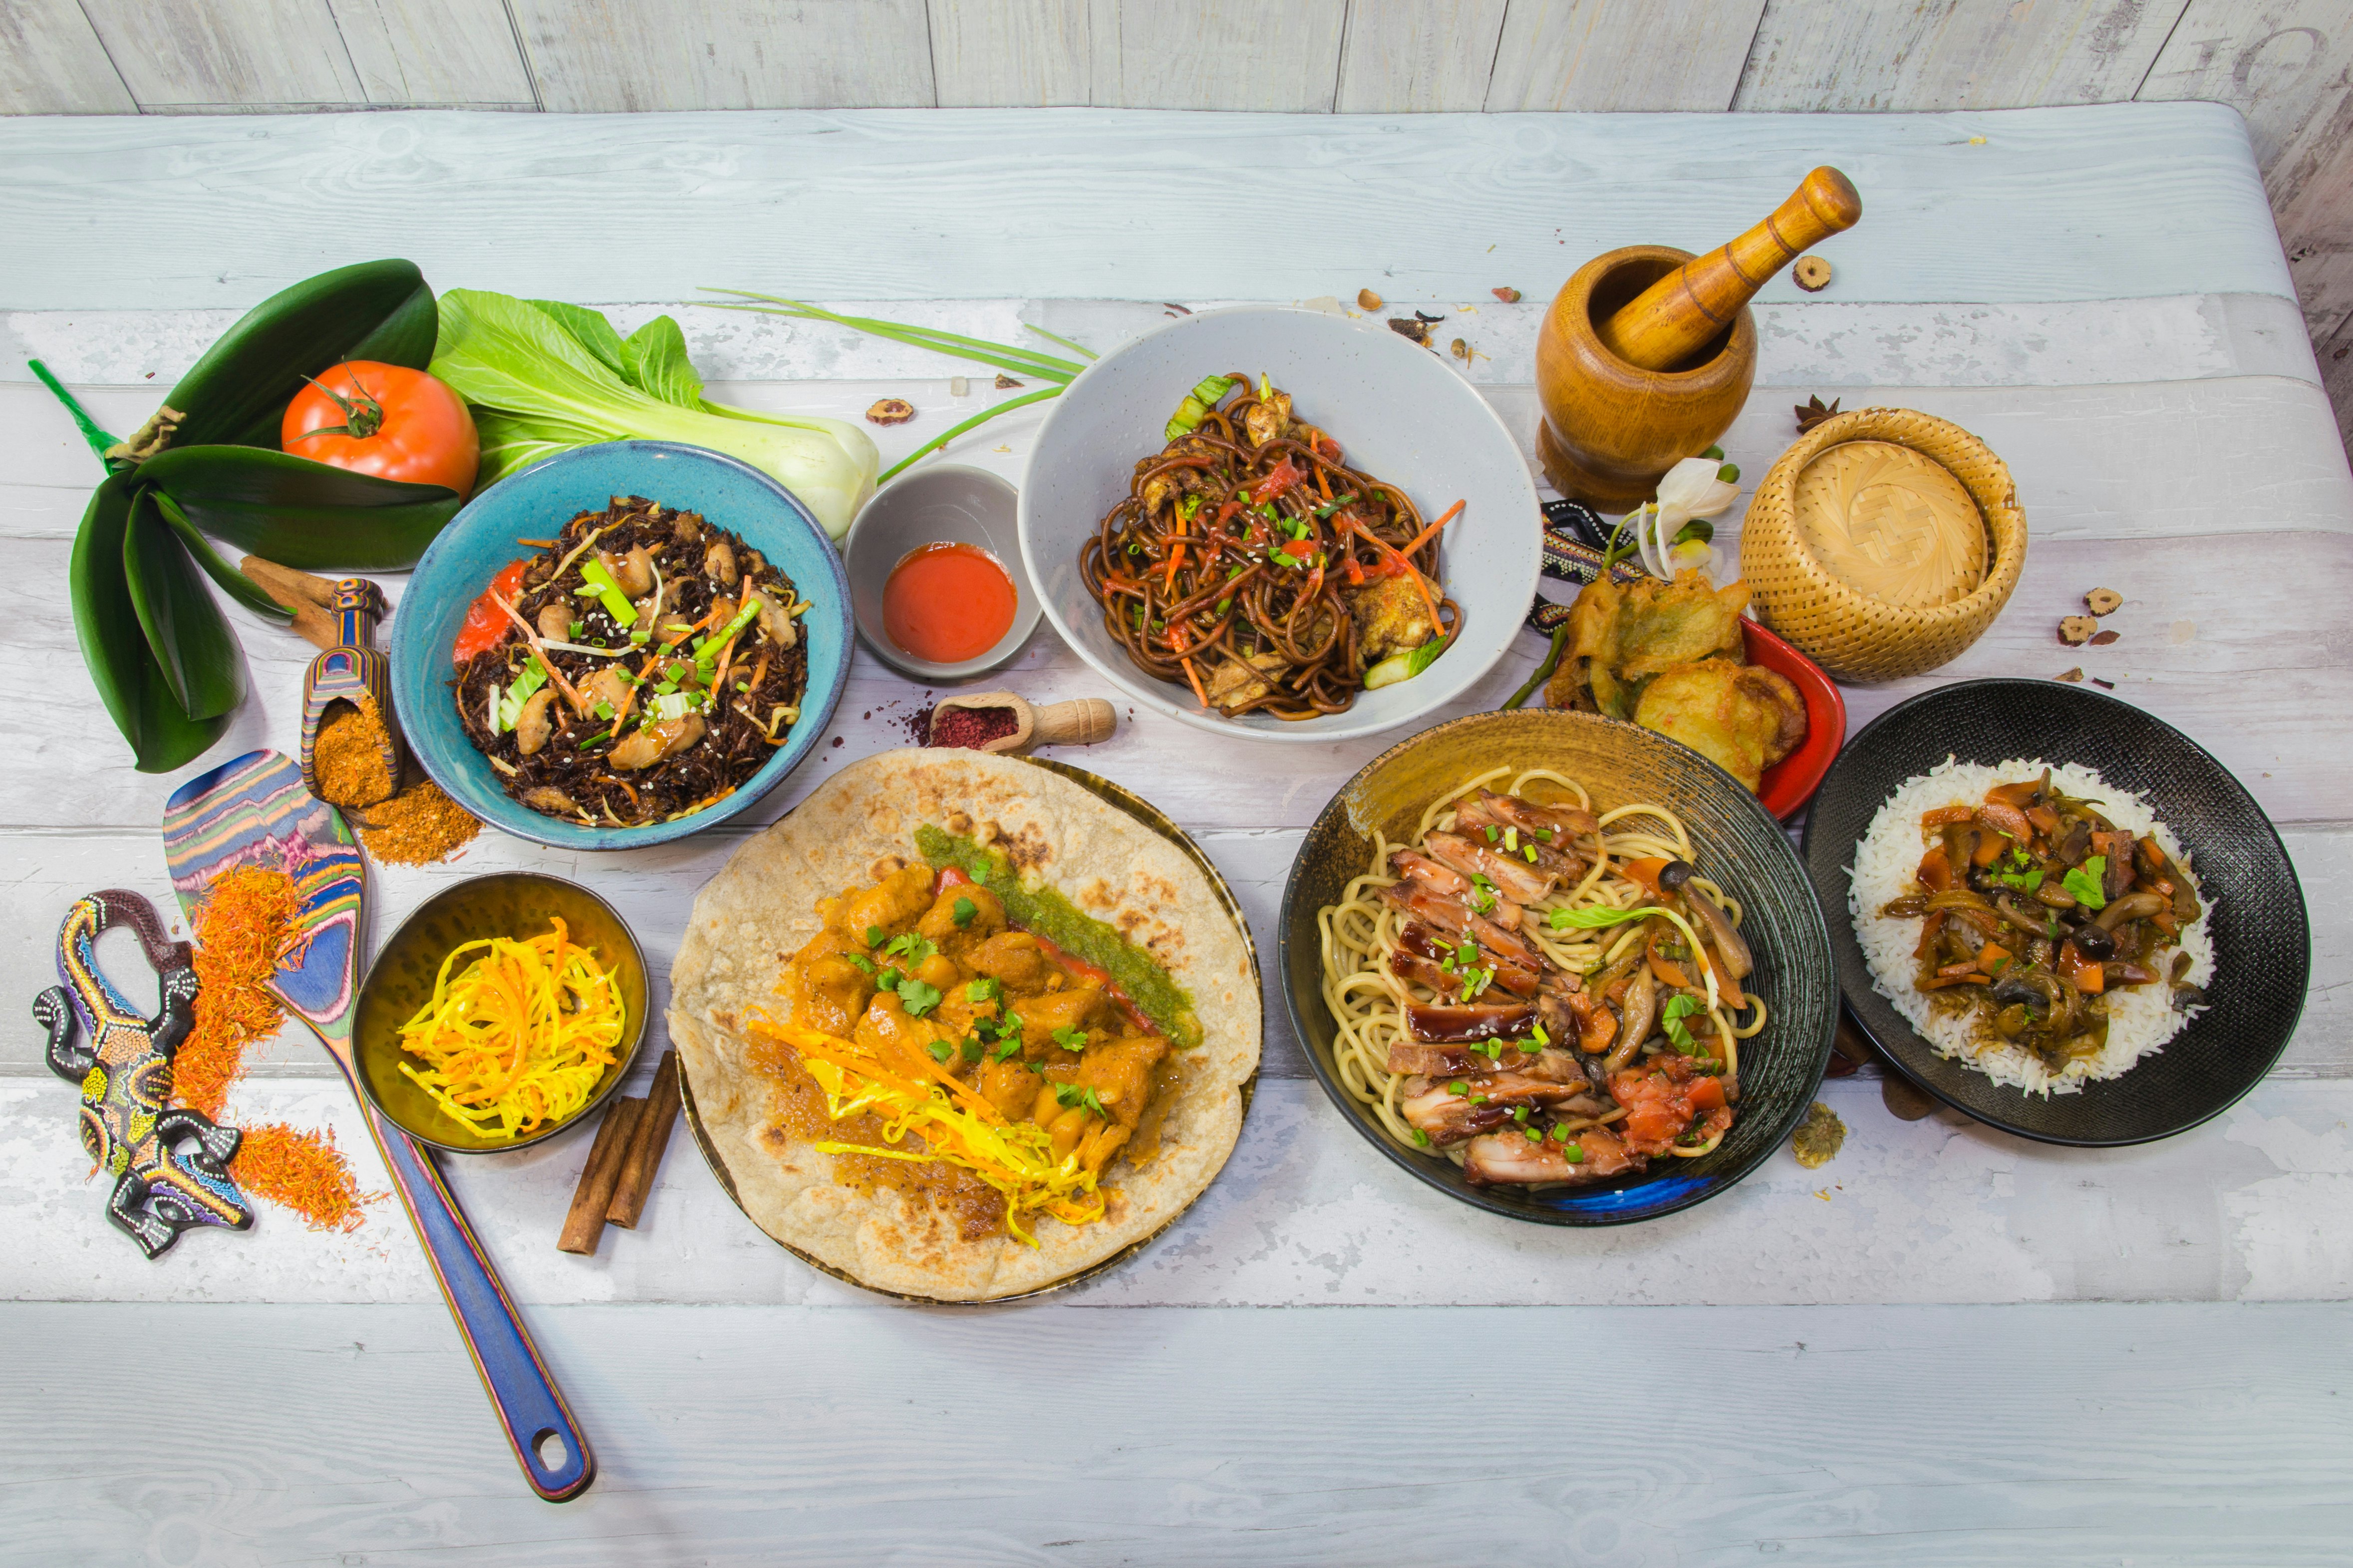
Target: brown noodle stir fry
[1250,561]
[649,664]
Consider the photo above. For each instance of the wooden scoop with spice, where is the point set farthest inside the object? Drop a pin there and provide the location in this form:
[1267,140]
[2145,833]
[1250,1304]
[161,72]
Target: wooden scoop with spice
[1001,722]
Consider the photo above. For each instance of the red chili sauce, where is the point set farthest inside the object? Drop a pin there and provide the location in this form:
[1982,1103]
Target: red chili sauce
[947,603]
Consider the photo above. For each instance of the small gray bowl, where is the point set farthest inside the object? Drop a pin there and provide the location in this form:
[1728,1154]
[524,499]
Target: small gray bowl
[947,503]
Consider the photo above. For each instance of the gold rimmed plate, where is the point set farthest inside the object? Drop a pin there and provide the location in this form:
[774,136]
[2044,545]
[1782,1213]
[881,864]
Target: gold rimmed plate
[1135,806]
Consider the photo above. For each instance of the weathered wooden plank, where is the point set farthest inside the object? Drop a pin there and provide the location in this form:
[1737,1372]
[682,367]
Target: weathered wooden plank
[434,52]
[2117,201]
[1420,56]
[2281,63]
[1951,54]
[1622,54]
[1307,1215]
[1020,54]
[251,56]
[1947,1437]
[1800,344]
[51,62]
[603,55]
[1222,55]
[2315,218]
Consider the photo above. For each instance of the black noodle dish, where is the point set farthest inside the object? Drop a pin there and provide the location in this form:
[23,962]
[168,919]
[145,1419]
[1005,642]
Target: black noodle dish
[641,667]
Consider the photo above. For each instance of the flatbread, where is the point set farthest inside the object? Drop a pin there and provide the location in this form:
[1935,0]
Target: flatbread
[762,908]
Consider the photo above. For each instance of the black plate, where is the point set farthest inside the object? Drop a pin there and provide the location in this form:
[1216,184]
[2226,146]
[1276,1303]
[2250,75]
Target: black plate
[2263,942]
[1739,845]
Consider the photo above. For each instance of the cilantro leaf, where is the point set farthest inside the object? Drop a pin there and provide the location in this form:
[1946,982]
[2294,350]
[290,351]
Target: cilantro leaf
[1070,1039]
[917,998]
[985,989]
[1071,1096]
[964,911]
[2083,882]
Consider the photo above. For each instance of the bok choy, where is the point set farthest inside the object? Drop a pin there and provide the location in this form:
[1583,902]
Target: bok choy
[545,377]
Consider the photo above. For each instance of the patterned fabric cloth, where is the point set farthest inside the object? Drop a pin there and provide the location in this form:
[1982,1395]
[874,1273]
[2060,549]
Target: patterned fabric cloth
[1573,540]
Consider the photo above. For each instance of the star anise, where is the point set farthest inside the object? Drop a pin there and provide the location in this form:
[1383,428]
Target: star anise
[1811,412]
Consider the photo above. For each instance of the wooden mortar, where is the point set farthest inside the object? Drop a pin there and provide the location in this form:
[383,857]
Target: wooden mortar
[1079,722]
[1647,353]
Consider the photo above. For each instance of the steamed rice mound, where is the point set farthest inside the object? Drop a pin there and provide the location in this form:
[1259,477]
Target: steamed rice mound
[2141,1018]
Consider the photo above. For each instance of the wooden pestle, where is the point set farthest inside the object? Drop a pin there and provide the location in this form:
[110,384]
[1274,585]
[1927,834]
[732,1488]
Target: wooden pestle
[1688,309]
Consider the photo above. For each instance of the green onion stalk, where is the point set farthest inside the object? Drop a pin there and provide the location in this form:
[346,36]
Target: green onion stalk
[1010,358]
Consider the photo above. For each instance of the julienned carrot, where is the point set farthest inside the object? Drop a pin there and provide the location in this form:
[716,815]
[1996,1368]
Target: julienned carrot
[1176,639]
[1427,534]
[545,663]
[1176,559]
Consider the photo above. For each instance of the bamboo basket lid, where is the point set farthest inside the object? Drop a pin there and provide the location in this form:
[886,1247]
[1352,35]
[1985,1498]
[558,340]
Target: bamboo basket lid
[1804,572]
[1891,523]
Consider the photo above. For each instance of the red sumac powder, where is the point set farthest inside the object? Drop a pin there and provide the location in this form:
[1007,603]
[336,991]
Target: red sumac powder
[973,727]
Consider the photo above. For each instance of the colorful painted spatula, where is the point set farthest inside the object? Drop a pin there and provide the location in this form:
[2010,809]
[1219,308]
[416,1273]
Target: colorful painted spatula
[255,811]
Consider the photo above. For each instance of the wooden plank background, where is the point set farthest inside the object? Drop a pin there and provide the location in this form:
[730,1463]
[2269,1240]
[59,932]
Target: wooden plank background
[2286,65]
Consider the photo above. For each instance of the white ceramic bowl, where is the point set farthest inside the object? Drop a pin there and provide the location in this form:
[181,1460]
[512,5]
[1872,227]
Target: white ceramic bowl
[944,503]
[1397,411]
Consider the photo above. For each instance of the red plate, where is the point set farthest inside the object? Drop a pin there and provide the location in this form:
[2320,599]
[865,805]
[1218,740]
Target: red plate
[1788,784]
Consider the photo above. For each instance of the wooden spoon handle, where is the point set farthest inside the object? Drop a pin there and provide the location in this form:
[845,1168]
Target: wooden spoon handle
[1081,721]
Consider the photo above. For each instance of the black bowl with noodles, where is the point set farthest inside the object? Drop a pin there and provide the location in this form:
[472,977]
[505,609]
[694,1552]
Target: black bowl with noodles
[1737,845]
[2262,940]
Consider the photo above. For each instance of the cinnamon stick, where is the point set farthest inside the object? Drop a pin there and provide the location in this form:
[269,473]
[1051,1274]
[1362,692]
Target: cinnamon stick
[648,1139]
[301,591]
[586,1221]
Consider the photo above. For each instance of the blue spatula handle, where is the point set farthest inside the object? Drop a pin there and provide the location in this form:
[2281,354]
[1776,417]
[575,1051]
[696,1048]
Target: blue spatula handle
[515,1378]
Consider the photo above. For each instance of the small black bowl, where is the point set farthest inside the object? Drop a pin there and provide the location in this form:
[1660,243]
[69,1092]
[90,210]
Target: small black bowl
[2262,942]
[1740,847]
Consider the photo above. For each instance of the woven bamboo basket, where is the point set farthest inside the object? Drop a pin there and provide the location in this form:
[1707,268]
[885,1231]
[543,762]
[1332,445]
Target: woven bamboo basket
[1851,634]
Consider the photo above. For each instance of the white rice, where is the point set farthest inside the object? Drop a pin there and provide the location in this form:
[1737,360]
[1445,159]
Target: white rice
[2141,1018]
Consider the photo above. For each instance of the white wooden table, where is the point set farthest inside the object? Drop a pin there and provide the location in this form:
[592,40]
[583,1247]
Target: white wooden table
[1947,1345]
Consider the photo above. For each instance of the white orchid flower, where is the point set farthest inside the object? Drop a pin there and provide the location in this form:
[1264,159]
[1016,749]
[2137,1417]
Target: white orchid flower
[1689,489]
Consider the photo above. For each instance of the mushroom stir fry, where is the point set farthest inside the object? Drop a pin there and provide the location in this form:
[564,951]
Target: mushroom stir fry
[651,663]
[1546,1075]
[2033,906]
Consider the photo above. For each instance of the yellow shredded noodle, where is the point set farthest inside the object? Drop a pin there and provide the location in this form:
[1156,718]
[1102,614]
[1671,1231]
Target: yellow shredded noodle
[1017,1158]
[519,1037]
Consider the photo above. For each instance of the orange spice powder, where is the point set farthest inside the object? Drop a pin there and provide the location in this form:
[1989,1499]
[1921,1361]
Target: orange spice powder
[243,928]
[304,1172]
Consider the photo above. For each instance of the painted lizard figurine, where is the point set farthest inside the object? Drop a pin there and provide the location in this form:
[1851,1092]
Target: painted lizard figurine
[125,1073]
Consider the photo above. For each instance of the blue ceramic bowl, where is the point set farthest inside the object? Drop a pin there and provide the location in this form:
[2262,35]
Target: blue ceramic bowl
[482,540]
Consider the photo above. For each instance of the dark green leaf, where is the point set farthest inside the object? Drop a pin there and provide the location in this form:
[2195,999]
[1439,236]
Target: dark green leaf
[238,390]
[310,516]
[231,581]
[590,329]
[654,360]
[162,736]
[186,631]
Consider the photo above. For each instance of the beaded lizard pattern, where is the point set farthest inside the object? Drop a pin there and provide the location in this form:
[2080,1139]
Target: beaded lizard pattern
[125,1073]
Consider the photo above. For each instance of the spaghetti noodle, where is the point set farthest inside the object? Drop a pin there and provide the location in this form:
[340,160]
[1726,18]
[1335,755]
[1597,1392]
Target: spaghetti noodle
[1250,562]
[1538,992]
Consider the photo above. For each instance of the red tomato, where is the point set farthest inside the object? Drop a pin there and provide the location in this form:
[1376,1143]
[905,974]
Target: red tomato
[386,420]
[486,625]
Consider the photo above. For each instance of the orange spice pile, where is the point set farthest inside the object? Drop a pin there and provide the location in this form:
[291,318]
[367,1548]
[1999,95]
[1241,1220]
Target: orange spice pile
[242,929]
[417,826]
[348,755]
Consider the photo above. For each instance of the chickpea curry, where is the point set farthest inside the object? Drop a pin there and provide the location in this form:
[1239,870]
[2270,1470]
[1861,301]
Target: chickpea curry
[936,1048]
